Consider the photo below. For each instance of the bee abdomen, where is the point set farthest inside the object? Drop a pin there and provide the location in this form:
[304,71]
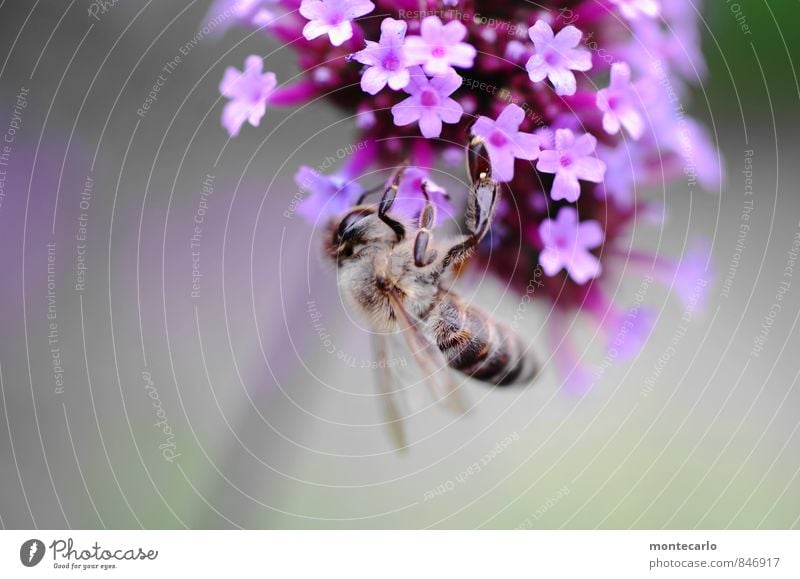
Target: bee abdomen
[478,346]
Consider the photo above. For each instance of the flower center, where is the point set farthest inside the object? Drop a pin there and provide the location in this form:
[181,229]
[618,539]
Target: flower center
[561,242]
[551,58]
[565,161]
[498,139]
[613,102]
[438,51]
[428,98]
[391,62]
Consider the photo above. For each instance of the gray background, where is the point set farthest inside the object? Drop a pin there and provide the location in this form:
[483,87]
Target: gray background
[271,429]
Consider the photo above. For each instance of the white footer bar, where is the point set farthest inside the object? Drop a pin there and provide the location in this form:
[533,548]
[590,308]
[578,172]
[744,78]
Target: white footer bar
[401,554]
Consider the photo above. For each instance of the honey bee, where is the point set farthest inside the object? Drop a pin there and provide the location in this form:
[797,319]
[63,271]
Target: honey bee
[393,271]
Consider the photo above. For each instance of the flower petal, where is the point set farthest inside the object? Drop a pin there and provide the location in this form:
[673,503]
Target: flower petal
[356,8]
[590,234]
[313,9]
[502,164]
[399,80]
[234,114]
[563,81]
[526,146]
[548,162]
[541,34]
[550,260]
[567,37]
[406,112]
[565,186]
[590,169]
[510,119]
[229,86]
[341,33]
[314,29]
[450,111]
[430,124]
[583,266]
[446,84]
[537,68]
[373,80]
[462,55]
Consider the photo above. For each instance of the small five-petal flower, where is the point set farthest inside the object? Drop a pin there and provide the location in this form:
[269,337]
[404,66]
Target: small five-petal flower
[571,160]
[556,56]
[619,103]
[567,242]
[504,142]
[386,59]
[249,91]
[429,103]
[440,46]
[333,17]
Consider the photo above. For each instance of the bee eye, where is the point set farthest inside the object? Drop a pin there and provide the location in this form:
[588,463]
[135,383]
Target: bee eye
[349,226]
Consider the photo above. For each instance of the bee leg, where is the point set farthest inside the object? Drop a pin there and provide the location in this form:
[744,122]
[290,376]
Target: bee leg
[386,203]
[478,166]
[480,206]
[427,220]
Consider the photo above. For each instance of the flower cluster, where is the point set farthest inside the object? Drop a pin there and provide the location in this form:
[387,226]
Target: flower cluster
[578,105]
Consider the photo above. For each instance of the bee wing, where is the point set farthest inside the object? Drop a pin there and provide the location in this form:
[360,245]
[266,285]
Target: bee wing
[432,363]
[386,384]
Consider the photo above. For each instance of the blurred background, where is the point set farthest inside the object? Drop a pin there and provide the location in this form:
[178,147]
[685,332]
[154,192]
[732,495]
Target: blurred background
[174,352]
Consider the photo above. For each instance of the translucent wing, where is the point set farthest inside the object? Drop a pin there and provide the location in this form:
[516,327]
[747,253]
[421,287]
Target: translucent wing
[389,396]
[431,362]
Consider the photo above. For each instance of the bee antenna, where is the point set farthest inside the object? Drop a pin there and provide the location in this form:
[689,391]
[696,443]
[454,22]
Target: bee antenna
[367,193]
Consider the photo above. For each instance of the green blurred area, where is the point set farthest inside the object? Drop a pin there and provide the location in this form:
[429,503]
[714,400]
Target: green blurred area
[753,50]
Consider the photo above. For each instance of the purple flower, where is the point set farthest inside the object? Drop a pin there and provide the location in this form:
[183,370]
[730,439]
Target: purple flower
[429,103]
[410,199]
[504,142]
[249,92]
[572,159]
[440,46]
[332,17]
[619,103]
[556,56]
[330,195]
[625,172]
[567,243]
[386,59]
[632,9]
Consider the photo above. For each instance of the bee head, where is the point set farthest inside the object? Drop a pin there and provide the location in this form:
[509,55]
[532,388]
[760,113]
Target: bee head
[354,228]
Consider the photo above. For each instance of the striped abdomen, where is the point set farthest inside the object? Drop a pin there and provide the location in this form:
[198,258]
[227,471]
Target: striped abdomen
[478,346]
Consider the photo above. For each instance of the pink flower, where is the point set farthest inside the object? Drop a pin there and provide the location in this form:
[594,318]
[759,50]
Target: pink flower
[410,199]
[329,195]
[572,159]
[386,59]
[619,103]
[439,48]
[567,243]
[429,103]
[249,92]
[332,17]
[632,9]
[504,142]
[556,56]
[625,172]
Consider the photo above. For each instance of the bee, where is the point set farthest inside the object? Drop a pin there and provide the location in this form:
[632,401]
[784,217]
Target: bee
[398,276]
